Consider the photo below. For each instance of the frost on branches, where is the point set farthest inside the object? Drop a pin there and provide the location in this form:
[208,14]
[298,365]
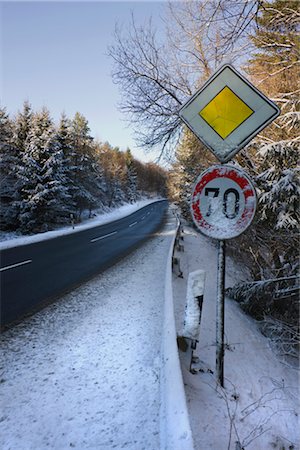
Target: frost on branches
[280,185]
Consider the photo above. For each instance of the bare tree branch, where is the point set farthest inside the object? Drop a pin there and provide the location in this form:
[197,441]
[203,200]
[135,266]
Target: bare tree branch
[156,78]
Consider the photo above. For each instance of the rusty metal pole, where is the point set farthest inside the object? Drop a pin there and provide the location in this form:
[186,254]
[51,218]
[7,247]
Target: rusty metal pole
[220,313]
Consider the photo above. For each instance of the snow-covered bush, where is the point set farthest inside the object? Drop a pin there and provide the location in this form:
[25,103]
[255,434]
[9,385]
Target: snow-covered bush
[279,183]
[275,304]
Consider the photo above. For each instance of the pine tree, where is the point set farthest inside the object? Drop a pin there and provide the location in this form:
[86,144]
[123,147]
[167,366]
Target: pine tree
[114,167]
[83,165]
[49,173]
[93,180]
[280,186]
[44,193]
[274,67]
[131,175]
[65,144]
[10,166]
[22,126]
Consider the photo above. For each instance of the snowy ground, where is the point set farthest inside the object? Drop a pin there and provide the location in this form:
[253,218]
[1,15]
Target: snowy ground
[259,405]
[12,239]
[84,372]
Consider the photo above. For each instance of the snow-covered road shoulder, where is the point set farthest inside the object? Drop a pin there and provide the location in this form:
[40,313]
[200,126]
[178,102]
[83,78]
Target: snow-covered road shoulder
[259,406]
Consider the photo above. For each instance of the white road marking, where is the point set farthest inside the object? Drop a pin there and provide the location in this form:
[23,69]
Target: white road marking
[16,265]
[132,224]
[143,218]
[103,237]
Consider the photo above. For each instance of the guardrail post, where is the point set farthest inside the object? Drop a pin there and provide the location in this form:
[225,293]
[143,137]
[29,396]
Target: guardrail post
[176,264]
[193,312]
[180,248]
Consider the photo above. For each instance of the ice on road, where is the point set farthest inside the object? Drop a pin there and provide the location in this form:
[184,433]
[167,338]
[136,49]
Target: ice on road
[84,372]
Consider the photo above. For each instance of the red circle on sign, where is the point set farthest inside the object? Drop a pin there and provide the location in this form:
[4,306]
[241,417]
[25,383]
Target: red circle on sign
[223,202]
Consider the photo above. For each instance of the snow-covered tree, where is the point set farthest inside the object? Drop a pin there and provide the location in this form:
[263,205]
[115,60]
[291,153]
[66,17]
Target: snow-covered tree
[22,126]
[131,177]
[274,65]
[44,193]
[94,180]
[65,144]
[113,164]
[280,185]
[49,172]
[83,164]
[274,68]
[10,166]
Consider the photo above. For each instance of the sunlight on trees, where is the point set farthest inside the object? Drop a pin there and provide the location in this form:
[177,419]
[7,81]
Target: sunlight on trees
[50,173]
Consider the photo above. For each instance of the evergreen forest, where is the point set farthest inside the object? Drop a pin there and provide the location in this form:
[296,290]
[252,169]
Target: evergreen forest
[51,175]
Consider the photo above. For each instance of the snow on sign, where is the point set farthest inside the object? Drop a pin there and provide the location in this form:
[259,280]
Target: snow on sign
[227,112]
[223,202]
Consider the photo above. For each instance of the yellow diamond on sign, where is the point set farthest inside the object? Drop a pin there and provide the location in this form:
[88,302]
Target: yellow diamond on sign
[225,112]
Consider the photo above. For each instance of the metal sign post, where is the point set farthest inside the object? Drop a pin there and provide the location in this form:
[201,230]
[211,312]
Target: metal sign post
[223,206]
[220,313]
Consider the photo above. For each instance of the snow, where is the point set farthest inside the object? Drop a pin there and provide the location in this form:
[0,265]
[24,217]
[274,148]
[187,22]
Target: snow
[259,404]
[195,288]
[86,371]
[13,239]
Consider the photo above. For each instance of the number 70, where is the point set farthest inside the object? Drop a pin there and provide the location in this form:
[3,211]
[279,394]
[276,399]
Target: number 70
[228,211]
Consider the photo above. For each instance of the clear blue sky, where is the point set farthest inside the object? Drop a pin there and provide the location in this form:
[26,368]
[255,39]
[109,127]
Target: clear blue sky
[54,55]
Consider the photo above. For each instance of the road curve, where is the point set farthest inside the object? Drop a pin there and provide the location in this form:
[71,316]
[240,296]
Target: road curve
[32,274]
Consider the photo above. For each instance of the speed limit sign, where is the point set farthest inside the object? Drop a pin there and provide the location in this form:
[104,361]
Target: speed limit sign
[223,202]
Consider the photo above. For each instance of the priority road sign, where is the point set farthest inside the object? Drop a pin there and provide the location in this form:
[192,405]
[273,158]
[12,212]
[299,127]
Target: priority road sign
[227,112]
[223,202]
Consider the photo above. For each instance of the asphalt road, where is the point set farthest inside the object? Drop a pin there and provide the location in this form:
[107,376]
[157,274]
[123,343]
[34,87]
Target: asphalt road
[33,274]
